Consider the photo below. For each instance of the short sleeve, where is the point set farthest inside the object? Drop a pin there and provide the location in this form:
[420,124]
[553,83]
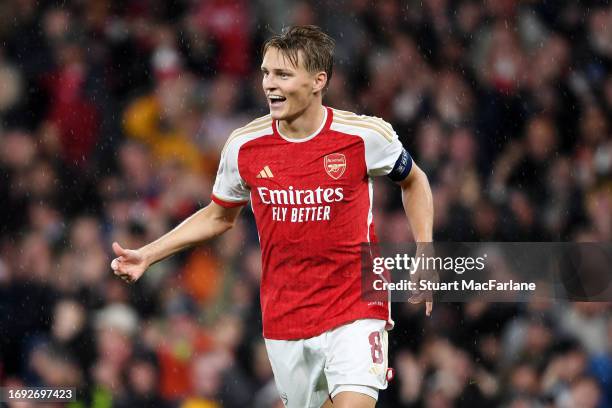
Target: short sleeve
[382,150]
[230,190]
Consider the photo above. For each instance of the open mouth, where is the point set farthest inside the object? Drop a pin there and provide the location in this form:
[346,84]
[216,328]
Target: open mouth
[276,100]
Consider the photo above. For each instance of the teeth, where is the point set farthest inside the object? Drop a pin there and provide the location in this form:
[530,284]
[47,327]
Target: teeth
[276,97]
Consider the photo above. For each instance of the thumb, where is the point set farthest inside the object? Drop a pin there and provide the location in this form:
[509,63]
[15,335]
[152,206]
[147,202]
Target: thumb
[119,251]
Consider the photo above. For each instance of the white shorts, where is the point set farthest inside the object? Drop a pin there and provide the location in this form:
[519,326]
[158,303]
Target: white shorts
[352,357]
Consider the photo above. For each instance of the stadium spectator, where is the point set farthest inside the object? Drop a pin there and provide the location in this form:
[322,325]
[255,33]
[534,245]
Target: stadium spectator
[111,118]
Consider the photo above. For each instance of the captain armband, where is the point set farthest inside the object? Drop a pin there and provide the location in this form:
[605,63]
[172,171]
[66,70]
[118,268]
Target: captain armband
[402,167]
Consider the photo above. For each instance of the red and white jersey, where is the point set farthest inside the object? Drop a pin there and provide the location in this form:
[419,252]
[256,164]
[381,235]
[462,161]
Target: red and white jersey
[312,200]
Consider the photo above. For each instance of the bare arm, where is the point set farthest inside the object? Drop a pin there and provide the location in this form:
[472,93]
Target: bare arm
[418,205]
[203,225]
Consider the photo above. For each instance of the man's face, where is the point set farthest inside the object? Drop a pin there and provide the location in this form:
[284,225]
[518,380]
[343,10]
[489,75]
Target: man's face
[289,89]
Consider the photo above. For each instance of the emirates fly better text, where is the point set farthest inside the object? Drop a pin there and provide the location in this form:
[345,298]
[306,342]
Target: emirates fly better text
[289,205]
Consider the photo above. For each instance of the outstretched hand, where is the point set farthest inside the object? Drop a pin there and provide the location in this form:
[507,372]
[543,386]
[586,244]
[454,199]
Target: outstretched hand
[129,265]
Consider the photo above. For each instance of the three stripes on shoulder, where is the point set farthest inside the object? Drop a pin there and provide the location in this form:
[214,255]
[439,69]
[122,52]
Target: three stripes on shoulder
[253,126]
[372,123]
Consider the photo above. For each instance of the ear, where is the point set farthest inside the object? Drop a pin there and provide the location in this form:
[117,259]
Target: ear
[319,81]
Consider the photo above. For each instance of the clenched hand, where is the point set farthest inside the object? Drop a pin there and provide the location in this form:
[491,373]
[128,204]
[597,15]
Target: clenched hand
[129,265]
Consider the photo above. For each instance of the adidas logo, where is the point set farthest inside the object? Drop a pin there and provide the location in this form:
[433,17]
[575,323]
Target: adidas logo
[265,173]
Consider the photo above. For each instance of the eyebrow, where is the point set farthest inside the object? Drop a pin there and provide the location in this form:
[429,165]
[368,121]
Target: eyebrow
[278,70]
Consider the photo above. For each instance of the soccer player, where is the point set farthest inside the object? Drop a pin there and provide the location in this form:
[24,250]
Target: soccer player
[307,170]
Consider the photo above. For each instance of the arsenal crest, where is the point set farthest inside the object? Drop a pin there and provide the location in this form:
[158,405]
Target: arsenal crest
[335,164]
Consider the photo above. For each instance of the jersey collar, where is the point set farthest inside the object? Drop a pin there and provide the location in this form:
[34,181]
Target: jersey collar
[327,119]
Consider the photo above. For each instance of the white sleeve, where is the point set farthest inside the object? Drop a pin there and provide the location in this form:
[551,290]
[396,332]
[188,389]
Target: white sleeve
[382,152]
[229,186]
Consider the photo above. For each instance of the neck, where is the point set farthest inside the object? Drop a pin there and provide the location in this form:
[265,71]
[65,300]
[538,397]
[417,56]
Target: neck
[304,124]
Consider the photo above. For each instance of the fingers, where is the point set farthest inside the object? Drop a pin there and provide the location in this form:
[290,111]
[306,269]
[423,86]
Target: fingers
[417,298]
[420,298]
[123,265]
[127,278]
[119,251]
[116,267]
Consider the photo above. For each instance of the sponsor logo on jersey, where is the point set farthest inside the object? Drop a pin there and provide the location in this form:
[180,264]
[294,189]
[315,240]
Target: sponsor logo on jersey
[293,196]
[335,165]
[293,205]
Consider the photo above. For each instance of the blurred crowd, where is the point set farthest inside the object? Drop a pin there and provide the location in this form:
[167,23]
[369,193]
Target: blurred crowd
[112,117]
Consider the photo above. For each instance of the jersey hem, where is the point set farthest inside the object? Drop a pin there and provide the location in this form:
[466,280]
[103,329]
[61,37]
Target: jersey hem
[330,325]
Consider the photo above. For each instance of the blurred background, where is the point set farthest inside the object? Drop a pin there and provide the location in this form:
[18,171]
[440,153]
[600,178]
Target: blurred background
[112,117]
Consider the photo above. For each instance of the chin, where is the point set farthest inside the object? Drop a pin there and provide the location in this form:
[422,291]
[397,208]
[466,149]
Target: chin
[278,115]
